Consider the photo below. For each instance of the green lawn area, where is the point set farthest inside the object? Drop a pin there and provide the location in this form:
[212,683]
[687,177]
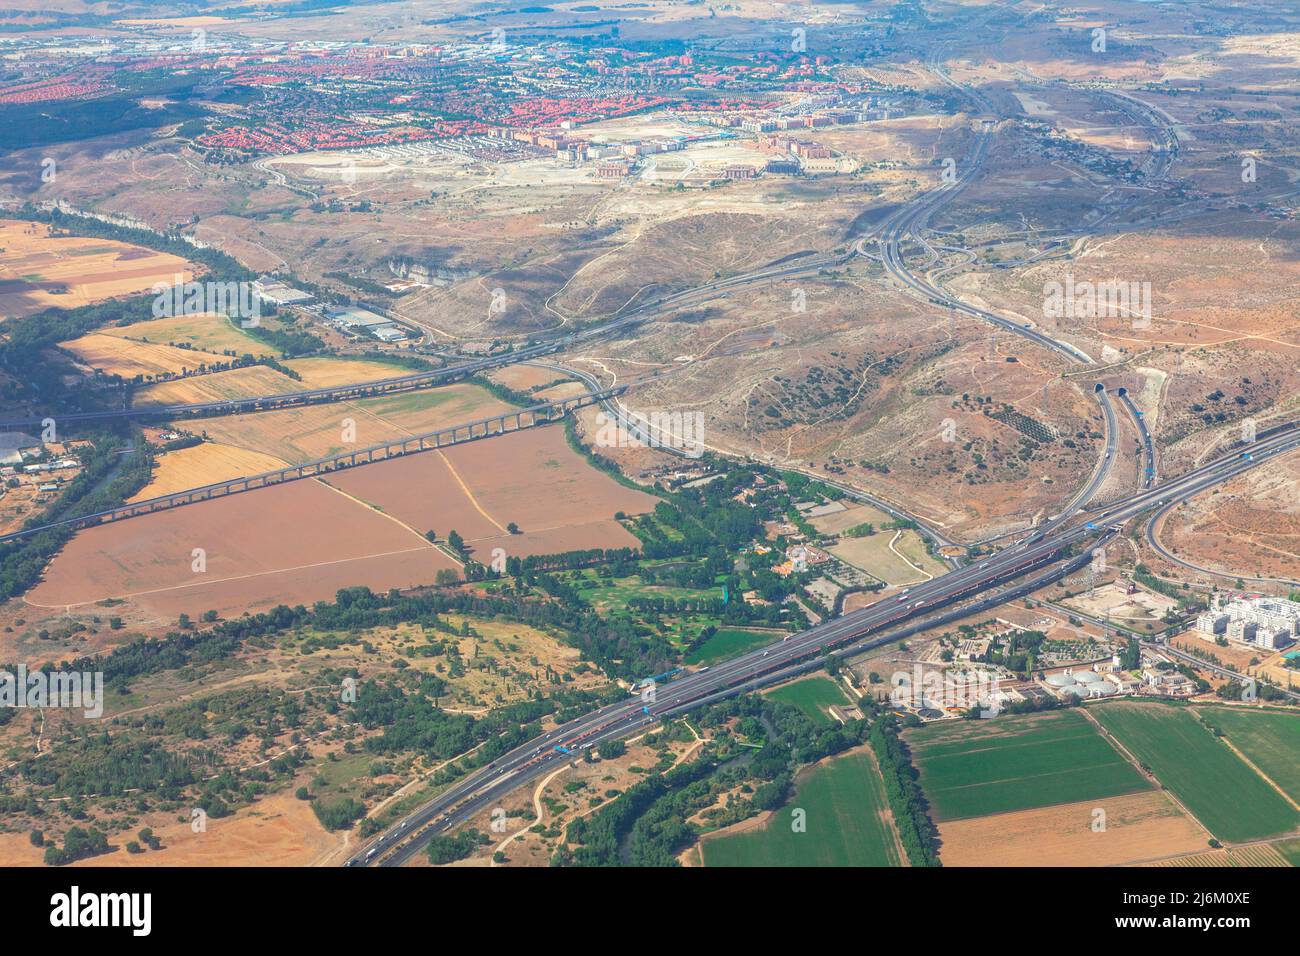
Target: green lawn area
[843,802]
[334,779]
[972,768]
[613,593]
[207,333]
[1269,739]
[729,642]
[812,695]
[1233,801]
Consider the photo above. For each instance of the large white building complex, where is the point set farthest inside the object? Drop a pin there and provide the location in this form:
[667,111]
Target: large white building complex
[1267,622]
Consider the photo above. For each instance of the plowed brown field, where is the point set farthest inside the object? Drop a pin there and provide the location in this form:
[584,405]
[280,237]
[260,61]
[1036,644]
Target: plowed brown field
[287,544]
[1138,827]
[531,478]
[300,542]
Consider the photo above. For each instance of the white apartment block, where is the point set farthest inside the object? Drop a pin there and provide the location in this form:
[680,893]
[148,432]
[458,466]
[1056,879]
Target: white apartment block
[1267,622]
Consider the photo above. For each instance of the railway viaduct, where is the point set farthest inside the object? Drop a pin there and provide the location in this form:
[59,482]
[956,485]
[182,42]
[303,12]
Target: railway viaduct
[512,421]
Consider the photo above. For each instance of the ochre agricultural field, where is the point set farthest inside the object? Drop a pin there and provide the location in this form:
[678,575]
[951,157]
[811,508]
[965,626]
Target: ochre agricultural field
[300,542]
[39,271]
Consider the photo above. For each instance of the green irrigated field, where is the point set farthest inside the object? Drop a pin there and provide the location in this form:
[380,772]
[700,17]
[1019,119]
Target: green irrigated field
[972,768]
[812,695]
[846,824]
[1231,800]
[1290,851]
[1269,739]
[728,642]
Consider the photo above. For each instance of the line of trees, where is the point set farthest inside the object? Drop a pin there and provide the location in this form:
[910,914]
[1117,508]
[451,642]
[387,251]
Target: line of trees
[906,800]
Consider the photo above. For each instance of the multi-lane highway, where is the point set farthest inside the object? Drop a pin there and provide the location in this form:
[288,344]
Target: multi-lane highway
[1101,470]
[773,663]
[1150,465]
[764,665]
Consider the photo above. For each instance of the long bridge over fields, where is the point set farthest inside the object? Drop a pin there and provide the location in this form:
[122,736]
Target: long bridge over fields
[504,423]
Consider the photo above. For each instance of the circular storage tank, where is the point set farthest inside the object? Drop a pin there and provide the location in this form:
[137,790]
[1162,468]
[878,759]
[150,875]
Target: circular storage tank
[1078,690]
[1089,677]
[1061,680]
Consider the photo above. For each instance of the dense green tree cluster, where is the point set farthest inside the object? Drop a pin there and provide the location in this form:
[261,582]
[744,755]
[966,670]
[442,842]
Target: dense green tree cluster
[619,558]
[78,844]
[339,815]
[450,848]
[101,764]
[600,835]
[27,125]
[1018,653]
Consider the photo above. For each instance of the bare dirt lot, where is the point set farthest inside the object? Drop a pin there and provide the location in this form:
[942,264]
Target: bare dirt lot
[278,830]
[315,431]
[897,558]
[1251,525]
[302,541]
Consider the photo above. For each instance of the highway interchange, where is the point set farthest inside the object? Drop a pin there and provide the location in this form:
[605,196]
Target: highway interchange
[1057,542]
[1038,557]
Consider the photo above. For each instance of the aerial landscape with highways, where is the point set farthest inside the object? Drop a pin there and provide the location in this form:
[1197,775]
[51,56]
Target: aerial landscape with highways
[483,434]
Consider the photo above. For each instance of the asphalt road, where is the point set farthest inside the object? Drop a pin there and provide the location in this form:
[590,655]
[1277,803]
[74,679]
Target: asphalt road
[1102,469]
[1044,546]
[614,408]
[433,377]
[1149,532]
[1150,466]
